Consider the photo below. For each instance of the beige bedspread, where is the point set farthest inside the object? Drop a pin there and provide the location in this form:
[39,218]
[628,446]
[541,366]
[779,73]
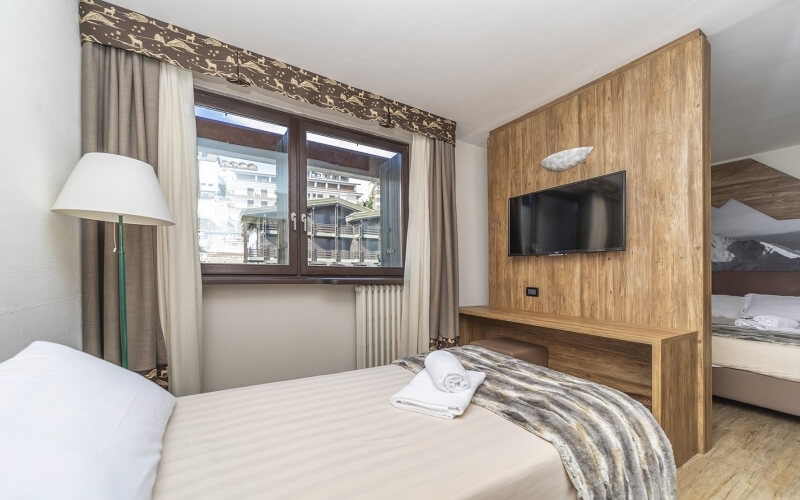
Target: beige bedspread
[337,437]
[767,358]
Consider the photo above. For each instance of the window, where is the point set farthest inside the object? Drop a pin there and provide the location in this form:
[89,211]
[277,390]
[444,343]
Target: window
[287,199]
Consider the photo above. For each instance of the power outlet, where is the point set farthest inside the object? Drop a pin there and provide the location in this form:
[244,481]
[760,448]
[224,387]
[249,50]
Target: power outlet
[532,291]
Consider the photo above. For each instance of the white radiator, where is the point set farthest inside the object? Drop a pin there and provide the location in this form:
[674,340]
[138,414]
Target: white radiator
[377,324]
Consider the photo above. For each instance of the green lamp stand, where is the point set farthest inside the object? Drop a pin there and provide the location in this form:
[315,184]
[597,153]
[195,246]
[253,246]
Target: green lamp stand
[107,187]
[123,300]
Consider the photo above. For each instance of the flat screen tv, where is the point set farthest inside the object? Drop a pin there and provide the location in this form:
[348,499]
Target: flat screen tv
[585,216]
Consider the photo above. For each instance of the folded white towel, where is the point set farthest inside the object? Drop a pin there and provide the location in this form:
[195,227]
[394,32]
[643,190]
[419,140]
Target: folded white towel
[422,396]
[446,371]
[749,323]
[778,322]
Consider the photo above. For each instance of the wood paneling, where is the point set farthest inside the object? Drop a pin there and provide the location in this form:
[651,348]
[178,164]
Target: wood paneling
[764,282]
[594,328]
[758,186]
[649,118]
[654,362]
[755,456]
[675,392]
[622,365]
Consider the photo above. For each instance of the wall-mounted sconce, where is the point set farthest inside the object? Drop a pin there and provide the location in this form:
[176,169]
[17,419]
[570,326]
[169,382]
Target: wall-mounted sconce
[565,160]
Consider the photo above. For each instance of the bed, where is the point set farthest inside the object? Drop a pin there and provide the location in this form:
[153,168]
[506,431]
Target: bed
[745,366]
[244,442]
[101,432]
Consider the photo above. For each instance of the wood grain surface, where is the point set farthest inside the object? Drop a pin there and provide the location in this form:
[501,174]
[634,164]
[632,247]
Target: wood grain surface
[758,186]
[650,118]
[763,282]
[625,366]
[756,456]
[654,362]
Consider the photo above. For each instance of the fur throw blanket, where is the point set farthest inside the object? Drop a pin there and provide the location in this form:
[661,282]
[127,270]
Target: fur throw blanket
[611,446]
[743,333]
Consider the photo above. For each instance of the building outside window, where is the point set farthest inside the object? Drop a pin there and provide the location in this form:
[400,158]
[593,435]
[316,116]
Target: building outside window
[263,212]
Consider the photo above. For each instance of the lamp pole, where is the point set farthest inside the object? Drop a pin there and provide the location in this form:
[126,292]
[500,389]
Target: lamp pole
[102,187]
[123,313]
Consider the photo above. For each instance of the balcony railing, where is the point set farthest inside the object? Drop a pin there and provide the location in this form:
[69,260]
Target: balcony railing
[344,230]
[346,256]
[262,252]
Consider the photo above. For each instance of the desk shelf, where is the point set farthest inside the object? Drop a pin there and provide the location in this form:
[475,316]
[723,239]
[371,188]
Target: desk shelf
[659,363]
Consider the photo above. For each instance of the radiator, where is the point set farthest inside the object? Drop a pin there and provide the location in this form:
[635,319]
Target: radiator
[377,324]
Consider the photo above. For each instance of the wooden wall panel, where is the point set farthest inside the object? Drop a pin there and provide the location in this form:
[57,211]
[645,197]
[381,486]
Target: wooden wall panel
[759,186]
[649,118]
[625,366]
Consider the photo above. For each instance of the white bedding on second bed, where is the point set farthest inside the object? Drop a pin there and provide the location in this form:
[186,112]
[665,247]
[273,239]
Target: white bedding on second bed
[767,358]
[337,436]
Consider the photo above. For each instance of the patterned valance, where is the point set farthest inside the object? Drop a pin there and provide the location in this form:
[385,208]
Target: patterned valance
[115,26]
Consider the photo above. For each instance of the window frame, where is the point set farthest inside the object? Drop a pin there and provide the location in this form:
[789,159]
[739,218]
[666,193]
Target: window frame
[298,269]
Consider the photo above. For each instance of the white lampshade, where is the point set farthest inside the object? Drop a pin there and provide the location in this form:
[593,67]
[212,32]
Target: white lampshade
[104,186]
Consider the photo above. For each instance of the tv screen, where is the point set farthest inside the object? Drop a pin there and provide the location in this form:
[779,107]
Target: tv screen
[586,216]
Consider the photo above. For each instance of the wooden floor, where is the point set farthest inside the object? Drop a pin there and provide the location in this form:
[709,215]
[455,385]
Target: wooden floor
[756,455]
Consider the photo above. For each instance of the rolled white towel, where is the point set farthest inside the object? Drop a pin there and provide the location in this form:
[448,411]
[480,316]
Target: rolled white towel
[750,323]
[447,372]
[422,396]
[776,322]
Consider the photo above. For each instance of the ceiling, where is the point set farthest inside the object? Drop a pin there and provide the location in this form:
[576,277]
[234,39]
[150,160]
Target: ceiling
[485,63]
[755,84]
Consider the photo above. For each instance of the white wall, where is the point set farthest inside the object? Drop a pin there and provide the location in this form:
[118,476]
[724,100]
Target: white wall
[737,220]
[786,159]
[40,139]
[265,333]
[472,205]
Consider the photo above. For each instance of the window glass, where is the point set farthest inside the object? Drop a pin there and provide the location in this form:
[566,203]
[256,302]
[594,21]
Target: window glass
[243,204]
[354,204]
[284,198]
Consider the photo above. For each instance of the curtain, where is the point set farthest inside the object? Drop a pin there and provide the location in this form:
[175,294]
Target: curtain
[180,290]
[444,247]
[415,317]
[390,174]
[119,114]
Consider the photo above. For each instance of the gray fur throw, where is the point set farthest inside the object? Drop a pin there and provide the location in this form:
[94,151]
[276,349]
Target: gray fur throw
[611,446]
[744,333]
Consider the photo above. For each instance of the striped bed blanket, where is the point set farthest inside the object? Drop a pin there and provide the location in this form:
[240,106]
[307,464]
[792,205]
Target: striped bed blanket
[611,446]
[744,333]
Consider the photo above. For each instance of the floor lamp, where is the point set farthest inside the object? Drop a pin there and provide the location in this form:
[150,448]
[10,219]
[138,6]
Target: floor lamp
[110,188]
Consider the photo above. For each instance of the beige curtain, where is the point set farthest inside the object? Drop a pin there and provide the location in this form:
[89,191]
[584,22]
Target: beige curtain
[444,247]
[415,317]
[119,114]
[180,287]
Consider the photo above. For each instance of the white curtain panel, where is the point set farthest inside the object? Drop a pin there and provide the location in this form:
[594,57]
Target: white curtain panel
[415,327]
[180,291]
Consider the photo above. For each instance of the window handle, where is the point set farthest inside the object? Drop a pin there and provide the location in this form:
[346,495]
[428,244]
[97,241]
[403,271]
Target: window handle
[303,218]
[293,216]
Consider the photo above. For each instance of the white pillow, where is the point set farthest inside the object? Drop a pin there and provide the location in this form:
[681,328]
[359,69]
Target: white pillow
[726,306]
[75,426]
[784,306]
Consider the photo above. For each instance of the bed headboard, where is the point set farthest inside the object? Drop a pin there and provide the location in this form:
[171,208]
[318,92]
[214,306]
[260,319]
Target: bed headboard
[764,282]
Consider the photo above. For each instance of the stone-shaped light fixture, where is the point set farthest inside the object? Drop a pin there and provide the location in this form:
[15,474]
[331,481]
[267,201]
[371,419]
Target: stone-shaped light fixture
[565,160]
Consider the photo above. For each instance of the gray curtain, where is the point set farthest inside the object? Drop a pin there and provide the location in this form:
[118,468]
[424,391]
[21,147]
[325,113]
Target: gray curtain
[444,247]
[391,182]
[119,114]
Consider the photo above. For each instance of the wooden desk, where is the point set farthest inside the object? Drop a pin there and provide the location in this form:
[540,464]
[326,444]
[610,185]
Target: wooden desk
[659,363]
